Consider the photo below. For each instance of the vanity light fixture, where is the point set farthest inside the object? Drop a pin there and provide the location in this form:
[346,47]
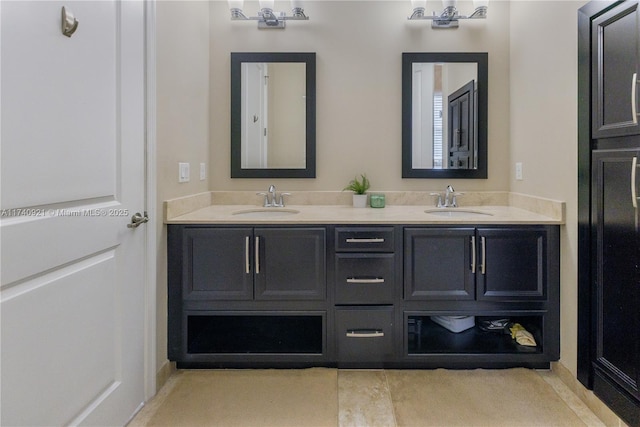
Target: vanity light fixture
[267,18]
[449,16]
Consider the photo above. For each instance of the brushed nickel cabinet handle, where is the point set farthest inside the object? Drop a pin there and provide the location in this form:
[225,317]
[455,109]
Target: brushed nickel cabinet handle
[634,197]
[372,240]
[484,255]
[634,106]
[473,254]
[365,333]
[246,255]
[356,280]
[257,255]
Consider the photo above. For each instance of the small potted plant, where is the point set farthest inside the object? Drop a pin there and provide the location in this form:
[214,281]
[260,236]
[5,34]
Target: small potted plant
[359,188]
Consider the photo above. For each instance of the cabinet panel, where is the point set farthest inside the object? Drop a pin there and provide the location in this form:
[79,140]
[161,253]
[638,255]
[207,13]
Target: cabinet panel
[512,263]
[365,278]
[438,264]
[615,59]
[290,263]
[217,264]
[617,247]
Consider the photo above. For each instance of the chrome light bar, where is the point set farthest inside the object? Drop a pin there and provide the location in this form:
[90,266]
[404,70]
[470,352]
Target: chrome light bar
[449,17]
[267,18]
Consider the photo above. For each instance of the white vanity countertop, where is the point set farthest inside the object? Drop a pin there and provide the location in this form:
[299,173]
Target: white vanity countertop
[346,214]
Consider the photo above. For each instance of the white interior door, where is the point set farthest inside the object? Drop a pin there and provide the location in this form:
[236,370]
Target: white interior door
[254,115]
[72,175]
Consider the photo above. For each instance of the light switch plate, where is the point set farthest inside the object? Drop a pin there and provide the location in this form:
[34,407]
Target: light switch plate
[184,172]
[519,171]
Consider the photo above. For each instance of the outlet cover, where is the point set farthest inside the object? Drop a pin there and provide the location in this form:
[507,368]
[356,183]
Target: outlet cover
[203,171]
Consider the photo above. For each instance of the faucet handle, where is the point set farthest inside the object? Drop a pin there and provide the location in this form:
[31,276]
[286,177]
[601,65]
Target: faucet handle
[454,202]
[266,198]
[439,204]
[282,198]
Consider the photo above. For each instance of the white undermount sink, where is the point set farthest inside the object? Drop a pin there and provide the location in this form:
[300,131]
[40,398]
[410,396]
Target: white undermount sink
[265,213]
[456,212]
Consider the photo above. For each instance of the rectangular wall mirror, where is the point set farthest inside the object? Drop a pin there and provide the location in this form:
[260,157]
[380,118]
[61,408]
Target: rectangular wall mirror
[273,123]
[444,115]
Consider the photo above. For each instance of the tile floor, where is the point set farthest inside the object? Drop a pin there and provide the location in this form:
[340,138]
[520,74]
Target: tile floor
[384,398]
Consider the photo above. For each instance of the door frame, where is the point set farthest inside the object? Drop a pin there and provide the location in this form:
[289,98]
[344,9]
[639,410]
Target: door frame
[150,309]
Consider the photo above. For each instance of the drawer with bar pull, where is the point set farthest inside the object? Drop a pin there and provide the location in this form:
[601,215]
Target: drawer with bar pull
[364,239]
[364,278]
[364,334]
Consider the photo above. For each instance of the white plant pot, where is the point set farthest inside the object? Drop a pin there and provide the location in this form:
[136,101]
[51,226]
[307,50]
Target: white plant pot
[359,200]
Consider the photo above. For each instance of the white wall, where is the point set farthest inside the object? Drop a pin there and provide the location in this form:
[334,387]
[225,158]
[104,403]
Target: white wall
[544,69]
[182,121]
[359,49]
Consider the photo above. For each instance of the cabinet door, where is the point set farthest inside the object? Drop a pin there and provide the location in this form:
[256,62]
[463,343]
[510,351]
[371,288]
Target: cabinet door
[511,263]
[437,264]
[217,264]
[617,251]
[615,58]
[290,263]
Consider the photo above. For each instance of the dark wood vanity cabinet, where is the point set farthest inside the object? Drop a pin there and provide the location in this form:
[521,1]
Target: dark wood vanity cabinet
[615,64]
[359,295]
[366,291]
[247,294]
[616,244]
[467,263]
[492,272]
[254,263]
[608,232]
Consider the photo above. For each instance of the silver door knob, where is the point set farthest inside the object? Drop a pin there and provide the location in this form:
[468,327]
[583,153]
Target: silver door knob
[138,219]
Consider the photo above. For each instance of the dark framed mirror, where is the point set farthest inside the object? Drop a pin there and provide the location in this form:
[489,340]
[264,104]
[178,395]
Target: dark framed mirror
[444,115]
[273,115]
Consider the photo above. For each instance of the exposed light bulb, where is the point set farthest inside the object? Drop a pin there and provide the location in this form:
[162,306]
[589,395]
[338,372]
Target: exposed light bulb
[235,4]
[449,3]
[266,4]
[418,3]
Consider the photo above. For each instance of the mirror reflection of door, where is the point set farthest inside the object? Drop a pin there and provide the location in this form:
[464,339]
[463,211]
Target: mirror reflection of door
[461,114]
[254,115]
[273,115]
[443,120]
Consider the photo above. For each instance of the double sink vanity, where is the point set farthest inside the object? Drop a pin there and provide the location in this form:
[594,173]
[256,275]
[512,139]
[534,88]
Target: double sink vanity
[320,283]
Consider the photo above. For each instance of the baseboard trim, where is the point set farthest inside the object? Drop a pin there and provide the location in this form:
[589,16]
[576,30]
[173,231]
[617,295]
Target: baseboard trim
[166,370]
[597,406]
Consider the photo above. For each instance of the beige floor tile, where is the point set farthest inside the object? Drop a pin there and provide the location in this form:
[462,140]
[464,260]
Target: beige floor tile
[511,397]
[576,405]
[364,399]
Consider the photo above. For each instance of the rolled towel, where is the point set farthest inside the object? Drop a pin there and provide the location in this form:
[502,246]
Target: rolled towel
[522,336]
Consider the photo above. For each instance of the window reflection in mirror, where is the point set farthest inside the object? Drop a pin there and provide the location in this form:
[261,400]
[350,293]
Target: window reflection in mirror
[444,115]
[272,115]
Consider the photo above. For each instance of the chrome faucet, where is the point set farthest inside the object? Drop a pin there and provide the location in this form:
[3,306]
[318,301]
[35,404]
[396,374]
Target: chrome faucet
[272,192]
[449,191]
[271,199]
[449,198]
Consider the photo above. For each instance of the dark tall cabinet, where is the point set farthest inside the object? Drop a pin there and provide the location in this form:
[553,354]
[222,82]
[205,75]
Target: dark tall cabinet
[609,238]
